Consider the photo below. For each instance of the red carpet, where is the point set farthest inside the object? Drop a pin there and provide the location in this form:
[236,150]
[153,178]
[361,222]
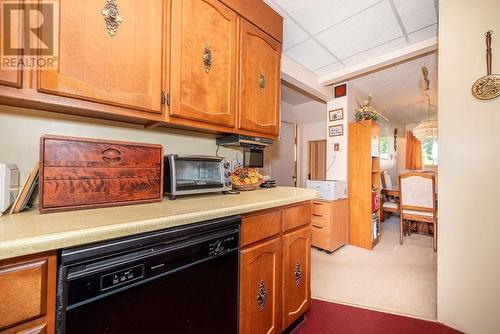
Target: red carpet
[331,318]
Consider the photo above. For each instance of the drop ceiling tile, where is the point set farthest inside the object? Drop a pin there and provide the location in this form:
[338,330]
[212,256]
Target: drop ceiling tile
[366,30]
[329,69]
[416,14]
[310,54]
[317,15]
[423,34]
[375,52]
[293,34]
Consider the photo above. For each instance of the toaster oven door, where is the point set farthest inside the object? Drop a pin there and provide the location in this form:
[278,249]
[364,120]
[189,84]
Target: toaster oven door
[194,174]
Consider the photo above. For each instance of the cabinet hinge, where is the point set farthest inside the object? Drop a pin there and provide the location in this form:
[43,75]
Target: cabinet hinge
[165,98]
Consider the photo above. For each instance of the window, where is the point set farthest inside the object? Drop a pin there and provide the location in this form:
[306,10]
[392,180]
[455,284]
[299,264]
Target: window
[384,148]
[430,152]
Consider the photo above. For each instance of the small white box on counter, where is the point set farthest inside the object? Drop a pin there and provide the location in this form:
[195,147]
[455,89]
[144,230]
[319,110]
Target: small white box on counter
[329,189]
[9,185]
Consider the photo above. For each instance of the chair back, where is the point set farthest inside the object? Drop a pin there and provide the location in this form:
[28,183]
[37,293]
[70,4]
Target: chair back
[418,191]
[386,179]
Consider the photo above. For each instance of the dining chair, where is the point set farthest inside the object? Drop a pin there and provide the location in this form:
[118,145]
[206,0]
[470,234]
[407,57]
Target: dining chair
[417,202]
[390,204]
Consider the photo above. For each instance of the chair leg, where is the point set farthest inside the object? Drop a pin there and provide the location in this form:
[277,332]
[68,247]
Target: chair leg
[401,222]
[434,228]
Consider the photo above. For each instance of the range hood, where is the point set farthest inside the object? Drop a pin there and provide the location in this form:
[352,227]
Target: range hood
[243,141]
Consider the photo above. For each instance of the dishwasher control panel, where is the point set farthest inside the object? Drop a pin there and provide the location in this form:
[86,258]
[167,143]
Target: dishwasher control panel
[121,277]
[221,246]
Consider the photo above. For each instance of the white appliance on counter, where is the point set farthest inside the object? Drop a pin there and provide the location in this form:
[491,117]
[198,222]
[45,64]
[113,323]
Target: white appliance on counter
[9,185]
[329,189]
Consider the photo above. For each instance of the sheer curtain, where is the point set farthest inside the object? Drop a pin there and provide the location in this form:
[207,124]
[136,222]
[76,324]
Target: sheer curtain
[413,152]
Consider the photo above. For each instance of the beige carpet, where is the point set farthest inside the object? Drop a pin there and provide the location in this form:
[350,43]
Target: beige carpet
[394,278]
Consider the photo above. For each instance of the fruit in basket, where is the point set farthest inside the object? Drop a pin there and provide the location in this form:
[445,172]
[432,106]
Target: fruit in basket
[246,177]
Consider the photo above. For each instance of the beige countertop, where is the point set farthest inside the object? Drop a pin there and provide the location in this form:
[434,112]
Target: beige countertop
[30,232]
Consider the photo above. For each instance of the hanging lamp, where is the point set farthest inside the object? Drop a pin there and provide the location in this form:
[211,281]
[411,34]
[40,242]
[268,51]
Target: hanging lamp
[426,129]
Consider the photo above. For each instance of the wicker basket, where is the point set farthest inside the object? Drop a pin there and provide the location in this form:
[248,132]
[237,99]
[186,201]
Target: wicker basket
[247,187]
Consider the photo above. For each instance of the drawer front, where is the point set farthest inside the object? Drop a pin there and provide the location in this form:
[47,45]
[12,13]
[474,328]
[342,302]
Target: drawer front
[297,216]
[320,208]
[64,193]
[83,153]
[321,220]
[23,292]
[259,227]
[321,236]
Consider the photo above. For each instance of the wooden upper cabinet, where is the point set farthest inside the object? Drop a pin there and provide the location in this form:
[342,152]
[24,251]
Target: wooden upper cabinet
[121,70]
[260,81]
[204,62]
[13,76]
[296,275]
[260,279]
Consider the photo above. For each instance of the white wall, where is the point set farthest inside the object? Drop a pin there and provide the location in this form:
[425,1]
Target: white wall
[307,132]
[20,131]
[469,165]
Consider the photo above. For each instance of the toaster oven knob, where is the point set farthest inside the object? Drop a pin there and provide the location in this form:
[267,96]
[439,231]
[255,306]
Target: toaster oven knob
[226,165]
[228,183]
[227,174]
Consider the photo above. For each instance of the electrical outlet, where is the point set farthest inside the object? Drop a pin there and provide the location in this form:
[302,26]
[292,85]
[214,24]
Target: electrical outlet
[336,147]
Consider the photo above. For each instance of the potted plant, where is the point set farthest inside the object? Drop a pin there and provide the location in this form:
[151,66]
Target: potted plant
[365,111]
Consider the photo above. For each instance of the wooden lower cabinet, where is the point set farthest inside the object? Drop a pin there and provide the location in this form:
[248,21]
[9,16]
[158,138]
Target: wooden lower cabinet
[260,290]
[28,294]
[329,224]
[275,269]
[296,275]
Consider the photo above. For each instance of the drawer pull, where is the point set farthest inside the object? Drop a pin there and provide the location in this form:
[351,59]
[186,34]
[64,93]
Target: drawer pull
[111,155]
[317,215]
[318,203]
[261,296]
[112,17]
[317,226]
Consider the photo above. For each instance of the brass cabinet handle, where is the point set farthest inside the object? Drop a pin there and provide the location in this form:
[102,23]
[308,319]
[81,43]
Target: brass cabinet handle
[208,58]
[317,226]
[262,83]
[298,273]
[112,16]
[261,296]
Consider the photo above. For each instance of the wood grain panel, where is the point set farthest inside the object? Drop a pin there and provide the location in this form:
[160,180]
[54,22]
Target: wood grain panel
[78,173]
[260,55]
[260,14]
[297,216]
[296,292]
[27,294]
[13,77]
[261,226]
[122,70]
[261,264]
[197,93]
[321,235]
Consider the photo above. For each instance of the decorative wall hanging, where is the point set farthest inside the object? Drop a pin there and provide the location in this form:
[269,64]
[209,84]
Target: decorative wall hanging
[112,17]
[336,130]
[487,87]
[340,90]
[395,139]
[336,115]
[365,111]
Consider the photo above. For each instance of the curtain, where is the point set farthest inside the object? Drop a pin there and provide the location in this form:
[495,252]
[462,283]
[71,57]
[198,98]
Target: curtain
[413,152]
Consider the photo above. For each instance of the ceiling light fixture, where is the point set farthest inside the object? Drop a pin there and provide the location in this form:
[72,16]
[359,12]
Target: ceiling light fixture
[427,129]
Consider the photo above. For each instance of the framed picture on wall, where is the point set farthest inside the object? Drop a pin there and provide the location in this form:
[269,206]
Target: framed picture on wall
[336,115]
[336,130]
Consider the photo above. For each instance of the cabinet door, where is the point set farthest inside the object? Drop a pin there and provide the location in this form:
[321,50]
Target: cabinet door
[12,76]
[296,274]
[204,62]
[260,81]
[123,68]
[260,278]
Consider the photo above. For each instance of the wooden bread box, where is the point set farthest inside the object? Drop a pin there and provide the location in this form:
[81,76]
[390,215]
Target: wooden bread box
[82,173]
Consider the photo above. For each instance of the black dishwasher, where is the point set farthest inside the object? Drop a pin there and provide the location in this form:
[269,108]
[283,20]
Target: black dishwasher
[181,280]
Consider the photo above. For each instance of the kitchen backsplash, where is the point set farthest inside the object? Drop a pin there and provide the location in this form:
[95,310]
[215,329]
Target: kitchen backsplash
[20,131]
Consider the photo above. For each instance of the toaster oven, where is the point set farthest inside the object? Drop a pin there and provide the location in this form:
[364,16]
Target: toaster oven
[187,175]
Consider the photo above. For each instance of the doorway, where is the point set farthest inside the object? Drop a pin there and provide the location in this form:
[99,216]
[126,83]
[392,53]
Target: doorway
[284,156]
[317,160]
